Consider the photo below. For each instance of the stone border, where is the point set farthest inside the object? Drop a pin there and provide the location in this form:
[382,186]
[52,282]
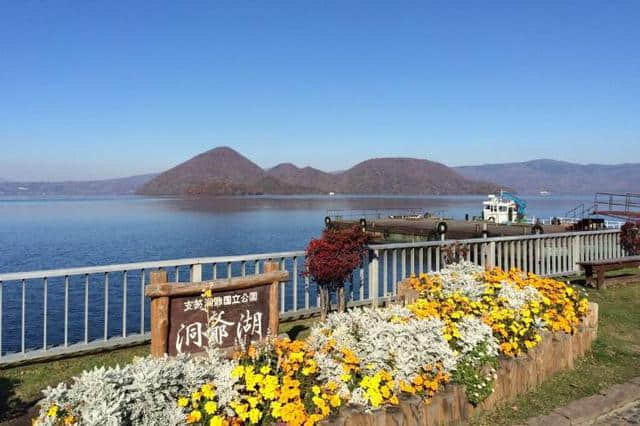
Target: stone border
[556,351]
[590,409]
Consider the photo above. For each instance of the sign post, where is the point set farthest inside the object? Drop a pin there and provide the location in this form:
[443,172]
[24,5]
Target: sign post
[235,312]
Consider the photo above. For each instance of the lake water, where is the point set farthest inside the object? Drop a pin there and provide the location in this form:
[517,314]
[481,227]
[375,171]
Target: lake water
[40,234]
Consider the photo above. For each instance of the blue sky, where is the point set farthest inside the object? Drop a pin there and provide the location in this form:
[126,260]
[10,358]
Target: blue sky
[104,89]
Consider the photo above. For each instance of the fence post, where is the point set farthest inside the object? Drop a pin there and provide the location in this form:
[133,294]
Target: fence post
[196,273]
[373,278]
[491,260]
[159,314]
[576,253]
[274,290]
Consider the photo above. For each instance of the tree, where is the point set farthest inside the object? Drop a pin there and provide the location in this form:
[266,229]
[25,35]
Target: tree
[331,259]
[630,238]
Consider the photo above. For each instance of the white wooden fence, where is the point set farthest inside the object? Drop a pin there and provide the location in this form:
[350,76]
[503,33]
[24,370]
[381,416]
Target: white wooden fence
[51,313]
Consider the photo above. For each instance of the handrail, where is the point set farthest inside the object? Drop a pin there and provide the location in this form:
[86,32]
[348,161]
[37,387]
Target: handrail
[51,273]
[100,306]
[488,240]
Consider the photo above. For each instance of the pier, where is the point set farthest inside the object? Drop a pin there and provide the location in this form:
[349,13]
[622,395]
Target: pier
[430,229]
[410,225]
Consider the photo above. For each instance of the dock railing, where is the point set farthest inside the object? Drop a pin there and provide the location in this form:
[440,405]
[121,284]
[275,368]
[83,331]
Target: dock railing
[47,314]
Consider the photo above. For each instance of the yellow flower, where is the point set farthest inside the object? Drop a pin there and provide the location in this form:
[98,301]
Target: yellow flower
[275,409]
[296,357]
[253,401]
[334,401]
[265,369]
[215,421]
[53,411]
[210,407]
[319,402]
[207,391]
[254,415]
[385,391]
[194,416]
[183,402]
[374,397]
[316,390]
[345,377]
[238,371]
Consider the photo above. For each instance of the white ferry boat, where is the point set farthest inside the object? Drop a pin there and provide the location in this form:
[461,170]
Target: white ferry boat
[505,208]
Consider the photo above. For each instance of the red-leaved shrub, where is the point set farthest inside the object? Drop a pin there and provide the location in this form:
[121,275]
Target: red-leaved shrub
[331,259]
[630,238]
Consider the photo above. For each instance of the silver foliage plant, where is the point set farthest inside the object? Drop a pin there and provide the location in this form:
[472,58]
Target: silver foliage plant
[463,278]
[143,392]
[474,332]
[394,340]
[517,297]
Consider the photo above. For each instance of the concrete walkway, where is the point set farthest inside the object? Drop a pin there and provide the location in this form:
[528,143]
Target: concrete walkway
[617,406]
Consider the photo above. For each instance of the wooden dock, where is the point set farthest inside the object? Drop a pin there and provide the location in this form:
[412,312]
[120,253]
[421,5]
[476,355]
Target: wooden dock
[430,229]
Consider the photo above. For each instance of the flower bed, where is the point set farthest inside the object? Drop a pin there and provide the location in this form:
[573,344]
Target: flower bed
[464,320]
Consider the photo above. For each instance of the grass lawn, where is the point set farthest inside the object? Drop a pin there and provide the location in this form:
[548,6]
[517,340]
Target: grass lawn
[615,358]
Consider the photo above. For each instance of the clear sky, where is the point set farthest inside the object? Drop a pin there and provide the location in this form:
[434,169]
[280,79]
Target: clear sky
[92,89]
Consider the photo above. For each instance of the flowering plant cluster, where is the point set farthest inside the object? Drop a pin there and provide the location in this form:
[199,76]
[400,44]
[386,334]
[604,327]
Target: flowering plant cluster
[516,306]
[463,320]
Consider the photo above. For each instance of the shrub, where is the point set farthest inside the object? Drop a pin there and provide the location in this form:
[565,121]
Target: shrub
[330,261]
[630,238]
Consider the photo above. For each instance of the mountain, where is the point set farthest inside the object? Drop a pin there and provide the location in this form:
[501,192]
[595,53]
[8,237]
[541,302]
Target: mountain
[223,171]
[118,186]
[558,177]
[408,176]
[220,170]
[307,177]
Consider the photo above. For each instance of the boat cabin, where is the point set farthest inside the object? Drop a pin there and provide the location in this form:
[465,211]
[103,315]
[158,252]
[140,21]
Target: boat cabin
[499,210]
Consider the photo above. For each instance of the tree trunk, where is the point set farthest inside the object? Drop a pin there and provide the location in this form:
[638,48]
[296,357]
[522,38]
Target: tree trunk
[325,303]
[341,299]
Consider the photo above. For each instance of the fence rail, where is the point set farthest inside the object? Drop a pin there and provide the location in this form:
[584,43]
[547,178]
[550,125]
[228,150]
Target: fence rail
[50,313]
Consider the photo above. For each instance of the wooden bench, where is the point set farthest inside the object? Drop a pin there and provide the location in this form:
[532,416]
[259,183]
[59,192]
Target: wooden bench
[599,267]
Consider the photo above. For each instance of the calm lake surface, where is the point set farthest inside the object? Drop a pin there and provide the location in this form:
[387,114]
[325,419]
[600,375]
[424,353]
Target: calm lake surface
[56,233]
[50,233]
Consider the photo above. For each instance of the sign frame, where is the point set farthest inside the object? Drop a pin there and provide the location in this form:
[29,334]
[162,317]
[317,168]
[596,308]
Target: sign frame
[161,293]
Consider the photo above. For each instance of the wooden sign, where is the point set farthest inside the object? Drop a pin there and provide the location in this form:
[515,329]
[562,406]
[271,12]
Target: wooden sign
[239,311]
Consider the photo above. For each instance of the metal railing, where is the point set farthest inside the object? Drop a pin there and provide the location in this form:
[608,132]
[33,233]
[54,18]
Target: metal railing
[51,313]
[625,206]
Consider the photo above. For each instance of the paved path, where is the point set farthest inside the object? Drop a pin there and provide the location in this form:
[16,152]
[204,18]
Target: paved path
[617,406]
[629,415]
